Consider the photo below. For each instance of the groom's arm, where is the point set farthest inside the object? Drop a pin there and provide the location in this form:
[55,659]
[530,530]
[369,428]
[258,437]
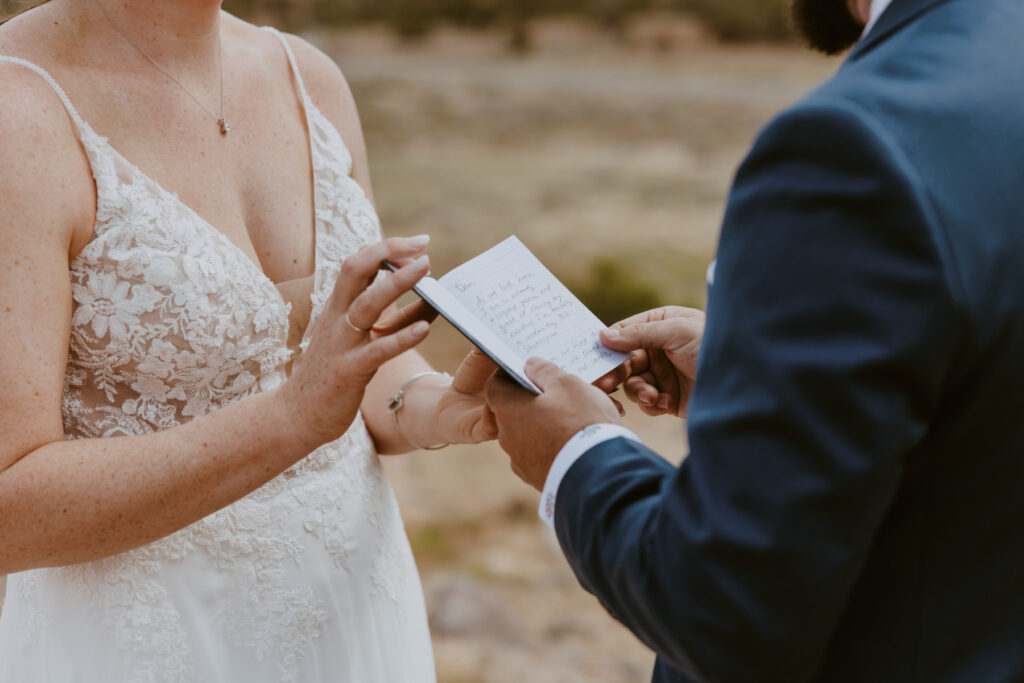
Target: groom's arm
[831,327]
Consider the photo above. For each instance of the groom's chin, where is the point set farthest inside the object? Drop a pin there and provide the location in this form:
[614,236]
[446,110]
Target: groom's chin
[826,25]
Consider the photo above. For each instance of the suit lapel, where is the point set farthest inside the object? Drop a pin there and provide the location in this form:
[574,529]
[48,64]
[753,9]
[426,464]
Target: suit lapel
[897,14]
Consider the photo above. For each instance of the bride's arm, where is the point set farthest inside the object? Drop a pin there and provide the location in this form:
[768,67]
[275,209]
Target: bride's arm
[435,411]
[64,502]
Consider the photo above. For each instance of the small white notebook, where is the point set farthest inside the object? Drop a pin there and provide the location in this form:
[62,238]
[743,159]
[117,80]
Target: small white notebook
[507,303]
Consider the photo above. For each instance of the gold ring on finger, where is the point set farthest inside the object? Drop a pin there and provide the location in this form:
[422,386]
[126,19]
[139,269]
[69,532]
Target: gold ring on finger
[355,327]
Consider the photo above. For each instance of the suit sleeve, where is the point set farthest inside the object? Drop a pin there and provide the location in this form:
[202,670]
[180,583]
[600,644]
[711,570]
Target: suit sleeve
[831,326]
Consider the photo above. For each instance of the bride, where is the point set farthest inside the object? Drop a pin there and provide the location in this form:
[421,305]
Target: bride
[189,483]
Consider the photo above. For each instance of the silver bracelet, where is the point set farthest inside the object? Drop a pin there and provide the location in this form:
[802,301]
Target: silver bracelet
[398,400]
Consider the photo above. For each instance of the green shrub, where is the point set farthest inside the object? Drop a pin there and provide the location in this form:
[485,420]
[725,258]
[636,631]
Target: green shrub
[9,8]
[734,20]
[409,18]
[742,20]
[613,292]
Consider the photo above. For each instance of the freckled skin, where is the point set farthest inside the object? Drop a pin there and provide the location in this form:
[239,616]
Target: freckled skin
[65,502]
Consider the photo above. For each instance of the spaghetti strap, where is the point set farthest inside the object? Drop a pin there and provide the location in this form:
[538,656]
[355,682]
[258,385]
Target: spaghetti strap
[72,112]
[292,62]
[324,138]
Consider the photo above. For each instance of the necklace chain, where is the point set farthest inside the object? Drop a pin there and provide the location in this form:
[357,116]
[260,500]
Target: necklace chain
[225,127]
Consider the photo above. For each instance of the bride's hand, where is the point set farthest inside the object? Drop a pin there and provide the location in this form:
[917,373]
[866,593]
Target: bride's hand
[324,392]
[461,414]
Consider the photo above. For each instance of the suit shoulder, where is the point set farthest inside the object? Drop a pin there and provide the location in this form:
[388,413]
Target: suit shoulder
[828,128]
[829,149]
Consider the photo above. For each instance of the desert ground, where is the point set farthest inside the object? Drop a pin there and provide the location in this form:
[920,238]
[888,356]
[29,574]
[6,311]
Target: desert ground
[610,157]
[591,149]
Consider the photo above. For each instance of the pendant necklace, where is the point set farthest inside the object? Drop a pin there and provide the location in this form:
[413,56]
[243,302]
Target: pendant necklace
[225,127]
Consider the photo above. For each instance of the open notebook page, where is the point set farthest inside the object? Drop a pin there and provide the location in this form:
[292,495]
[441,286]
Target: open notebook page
[512,294]
[475,330]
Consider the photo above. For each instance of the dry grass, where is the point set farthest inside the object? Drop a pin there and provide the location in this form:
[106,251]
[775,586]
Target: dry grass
[587,150]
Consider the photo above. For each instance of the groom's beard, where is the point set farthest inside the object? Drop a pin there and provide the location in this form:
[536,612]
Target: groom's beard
[827,25]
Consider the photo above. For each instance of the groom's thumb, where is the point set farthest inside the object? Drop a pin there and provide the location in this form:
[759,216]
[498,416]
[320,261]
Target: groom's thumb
[660,334]
[474,372]
[542,373]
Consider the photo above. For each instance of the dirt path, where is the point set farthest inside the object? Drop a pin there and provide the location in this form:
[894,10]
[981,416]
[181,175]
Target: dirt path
[574,79]
[585,154]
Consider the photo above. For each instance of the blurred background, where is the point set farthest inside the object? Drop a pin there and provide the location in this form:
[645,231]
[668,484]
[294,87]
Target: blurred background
[604,133]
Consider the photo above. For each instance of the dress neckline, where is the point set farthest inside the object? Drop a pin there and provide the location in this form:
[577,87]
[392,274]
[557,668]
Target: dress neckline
[204,224]
[85,129]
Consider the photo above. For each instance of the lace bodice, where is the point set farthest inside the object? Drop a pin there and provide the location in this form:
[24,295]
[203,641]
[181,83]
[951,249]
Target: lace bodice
[171,321]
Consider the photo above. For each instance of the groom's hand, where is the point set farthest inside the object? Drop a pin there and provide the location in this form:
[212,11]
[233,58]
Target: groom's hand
[660,375]
[532,429]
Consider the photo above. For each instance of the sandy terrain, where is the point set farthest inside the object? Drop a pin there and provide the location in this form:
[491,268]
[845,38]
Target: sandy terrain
[586,149]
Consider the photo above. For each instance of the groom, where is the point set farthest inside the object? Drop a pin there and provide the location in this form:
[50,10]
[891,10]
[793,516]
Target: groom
[853,505]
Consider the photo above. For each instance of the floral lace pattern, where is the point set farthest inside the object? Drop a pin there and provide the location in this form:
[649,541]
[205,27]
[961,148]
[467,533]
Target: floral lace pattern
[170,322]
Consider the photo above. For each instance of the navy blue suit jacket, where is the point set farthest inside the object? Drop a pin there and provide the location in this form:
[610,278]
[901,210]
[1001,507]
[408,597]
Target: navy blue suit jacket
[852,508]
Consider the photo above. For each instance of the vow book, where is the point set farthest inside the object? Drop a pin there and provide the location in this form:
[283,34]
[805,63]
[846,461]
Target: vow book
[512,308]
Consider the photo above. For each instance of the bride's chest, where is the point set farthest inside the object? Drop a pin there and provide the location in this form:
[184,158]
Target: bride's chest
[161,301]
[170,309]
[253,186]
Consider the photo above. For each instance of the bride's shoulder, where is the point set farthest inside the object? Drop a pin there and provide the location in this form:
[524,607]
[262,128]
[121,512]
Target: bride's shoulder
[45,177]
[30,108]
[324,81]
[31,39]
[33,33]
[40,154]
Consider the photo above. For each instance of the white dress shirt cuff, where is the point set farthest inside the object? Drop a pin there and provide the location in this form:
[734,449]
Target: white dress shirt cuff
[579,444]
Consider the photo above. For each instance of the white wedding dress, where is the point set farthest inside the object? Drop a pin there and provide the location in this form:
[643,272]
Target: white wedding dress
[310,578]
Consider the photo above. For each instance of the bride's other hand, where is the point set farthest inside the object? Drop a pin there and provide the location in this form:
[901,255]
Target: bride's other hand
[462,415]
[323,395]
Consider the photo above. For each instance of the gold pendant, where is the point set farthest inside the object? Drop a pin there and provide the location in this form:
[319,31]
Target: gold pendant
[225,127]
